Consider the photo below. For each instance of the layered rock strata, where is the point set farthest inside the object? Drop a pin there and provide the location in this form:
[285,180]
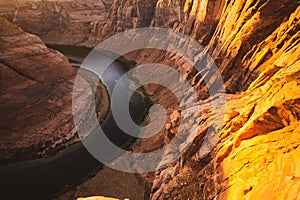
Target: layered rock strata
[257,151]
[36,96]
[255,44]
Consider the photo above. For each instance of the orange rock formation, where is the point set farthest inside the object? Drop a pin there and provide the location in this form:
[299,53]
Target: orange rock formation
[254,43]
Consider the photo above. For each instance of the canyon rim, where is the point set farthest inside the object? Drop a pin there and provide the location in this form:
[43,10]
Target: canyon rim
[253,43]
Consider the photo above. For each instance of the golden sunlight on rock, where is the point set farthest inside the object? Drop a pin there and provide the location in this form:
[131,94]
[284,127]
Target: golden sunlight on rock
[263,160]
[255,44]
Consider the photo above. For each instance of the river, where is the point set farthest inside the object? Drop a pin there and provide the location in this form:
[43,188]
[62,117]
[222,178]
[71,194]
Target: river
[43,178]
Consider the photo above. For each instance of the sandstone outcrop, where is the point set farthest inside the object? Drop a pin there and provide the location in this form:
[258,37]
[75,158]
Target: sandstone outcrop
[257,153]
[36,96]
[89,22]
[255,44]
[57,21]
[67,22]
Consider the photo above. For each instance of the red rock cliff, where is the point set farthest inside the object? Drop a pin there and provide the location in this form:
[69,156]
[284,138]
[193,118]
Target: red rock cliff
[36,85]
[254,43]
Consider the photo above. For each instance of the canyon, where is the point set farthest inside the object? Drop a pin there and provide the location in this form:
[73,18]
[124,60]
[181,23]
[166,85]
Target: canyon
[36,97]
[255,45]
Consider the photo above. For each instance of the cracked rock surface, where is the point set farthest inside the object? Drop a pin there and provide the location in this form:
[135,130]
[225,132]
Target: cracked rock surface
[36,96]
[255,45]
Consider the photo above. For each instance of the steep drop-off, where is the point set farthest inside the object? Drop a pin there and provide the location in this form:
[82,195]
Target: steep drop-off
[257,153]
[36,97]
[256,47]
[255,44]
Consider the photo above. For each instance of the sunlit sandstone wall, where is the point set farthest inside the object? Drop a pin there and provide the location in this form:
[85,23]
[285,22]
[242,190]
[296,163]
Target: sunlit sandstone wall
[256,47]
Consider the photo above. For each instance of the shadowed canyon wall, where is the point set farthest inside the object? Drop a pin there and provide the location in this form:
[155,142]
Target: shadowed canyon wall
[254,43]
[36,97]
[34,80]
[89,22]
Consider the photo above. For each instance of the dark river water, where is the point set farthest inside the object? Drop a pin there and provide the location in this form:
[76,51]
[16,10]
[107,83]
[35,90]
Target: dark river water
[43,178]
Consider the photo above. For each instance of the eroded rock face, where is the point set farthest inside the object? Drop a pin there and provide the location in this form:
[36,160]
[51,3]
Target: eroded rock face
[78,22]
[36,96]
[263,150]
[255,44]
[57,21]
[257,152]
[89,22]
